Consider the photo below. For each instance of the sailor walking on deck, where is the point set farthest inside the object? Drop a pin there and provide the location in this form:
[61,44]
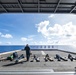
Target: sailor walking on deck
[27,48]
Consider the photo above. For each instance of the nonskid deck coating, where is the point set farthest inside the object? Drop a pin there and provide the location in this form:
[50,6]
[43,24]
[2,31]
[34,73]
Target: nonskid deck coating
[57,66]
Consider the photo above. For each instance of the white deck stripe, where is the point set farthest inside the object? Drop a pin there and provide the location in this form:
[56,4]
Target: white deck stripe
[37,73]
[43,53]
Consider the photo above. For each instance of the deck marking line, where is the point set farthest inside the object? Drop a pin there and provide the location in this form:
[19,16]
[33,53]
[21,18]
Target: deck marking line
[43,53]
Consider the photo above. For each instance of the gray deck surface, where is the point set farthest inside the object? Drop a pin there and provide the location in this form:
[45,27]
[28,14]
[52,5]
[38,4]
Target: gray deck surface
[56,66]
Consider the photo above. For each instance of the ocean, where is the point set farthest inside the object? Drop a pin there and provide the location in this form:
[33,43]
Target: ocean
[7,48]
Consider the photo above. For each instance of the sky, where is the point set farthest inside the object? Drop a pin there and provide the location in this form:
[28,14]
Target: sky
[37,29]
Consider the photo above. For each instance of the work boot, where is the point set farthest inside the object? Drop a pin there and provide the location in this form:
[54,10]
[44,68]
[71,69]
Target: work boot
[45,58]
[37,59]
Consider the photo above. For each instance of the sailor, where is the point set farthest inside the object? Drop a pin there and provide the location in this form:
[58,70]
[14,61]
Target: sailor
[27,48]
[70,57]
[19,59]
[46,58]
[35,58]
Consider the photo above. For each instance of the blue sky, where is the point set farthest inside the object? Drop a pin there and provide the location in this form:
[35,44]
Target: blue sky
[36,29]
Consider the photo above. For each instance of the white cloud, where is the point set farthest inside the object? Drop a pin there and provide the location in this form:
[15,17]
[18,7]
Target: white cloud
[24,39]
[0,42]
[7,36]
[52,15]
[30,38]
[45,42]
[62,33]
[0,33]
[8,43]
[34,43]
[42,27]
